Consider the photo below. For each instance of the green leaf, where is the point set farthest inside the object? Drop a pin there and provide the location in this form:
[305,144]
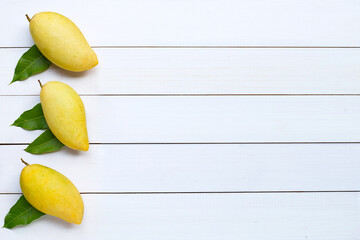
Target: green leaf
[45,143]
[22,213]
[30,63]
[32,119]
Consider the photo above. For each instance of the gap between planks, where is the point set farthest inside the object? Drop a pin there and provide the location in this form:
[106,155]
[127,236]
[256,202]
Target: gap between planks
[3,47]
[209,192]
[198,95]
[194,143]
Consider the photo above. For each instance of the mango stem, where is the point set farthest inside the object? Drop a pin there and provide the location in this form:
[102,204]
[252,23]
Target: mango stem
[27,16]
[24,162]
[40,83]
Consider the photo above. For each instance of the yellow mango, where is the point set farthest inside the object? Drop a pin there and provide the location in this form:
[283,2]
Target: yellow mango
[64,112]
[51,193]
[62,42]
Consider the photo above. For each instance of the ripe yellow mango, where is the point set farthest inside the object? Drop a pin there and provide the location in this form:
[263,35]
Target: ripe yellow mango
[51,193]
[62,42]
[64,112]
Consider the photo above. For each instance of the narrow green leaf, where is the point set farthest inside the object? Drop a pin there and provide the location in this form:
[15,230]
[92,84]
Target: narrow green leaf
[32,119]
[22,213]
[30,63]
[45,143]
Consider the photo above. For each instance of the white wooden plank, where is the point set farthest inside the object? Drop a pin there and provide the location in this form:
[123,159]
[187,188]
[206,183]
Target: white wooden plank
[178,119]
[202,216]
[202,71]
[196,168]
[201,23]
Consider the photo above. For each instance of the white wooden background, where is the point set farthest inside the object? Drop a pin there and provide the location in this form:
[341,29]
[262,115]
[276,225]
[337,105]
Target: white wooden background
[207,119]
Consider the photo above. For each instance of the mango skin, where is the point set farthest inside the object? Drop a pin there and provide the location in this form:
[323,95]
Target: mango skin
[52,193]
[62,42]
[64,112]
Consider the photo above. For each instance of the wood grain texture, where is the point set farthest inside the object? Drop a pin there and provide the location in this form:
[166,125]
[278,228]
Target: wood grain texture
[195,168]
[203,216]
[195,23]
[199,47]
[201,71]
[204,119]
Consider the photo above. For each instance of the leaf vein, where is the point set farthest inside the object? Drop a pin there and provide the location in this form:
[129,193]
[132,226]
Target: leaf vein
[29,148]
[19,215]
[31,119]
[28,67]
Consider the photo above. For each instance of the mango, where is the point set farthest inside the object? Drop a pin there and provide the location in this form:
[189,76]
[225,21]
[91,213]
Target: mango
[64,113]
[51,193]
[62,42]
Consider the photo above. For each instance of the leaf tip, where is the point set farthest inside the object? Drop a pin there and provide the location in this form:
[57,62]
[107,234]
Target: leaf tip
[7,226]
[15,78]
[26,66]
